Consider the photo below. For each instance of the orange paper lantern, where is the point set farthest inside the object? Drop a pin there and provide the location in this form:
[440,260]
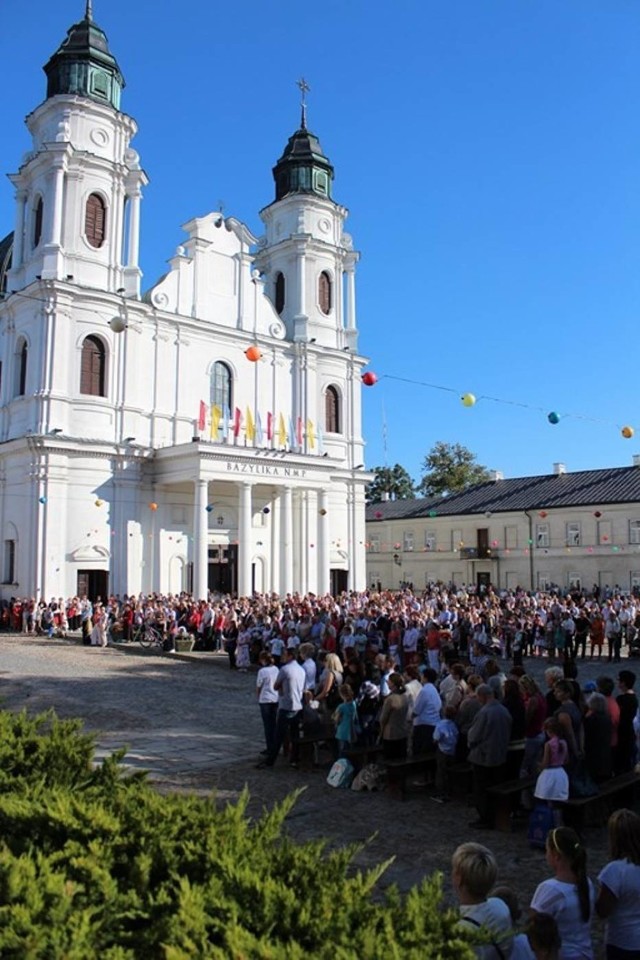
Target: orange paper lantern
[253,354]
[153,506]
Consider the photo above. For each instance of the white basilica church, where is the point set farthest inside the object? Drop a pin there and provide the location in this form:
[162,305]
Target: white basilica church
[202,435]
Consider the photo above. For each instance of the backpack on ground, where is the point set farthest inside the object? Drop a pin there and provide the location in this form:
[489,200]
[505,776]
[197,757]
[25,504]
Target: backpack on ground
[341,774]
[371,777]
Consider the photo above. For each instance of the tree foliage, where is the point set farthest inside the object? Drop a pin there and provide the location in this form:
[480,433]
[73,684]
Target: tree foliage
[394,481]
[94,863]
[449,468]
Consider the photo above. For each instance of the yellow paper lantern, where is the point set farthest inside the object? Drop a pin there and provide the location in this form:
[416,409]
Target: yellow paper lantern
[99,503]
[627,432]
[468,399]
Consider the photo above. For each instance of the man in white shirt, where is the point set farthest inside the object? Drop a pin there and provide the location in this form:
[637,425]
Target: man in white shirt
[290,689]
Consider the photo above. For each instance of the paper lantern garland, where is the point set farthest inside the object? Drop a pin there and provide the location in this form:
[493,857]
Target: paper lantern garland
[468,400]
[253,354]
[369,378]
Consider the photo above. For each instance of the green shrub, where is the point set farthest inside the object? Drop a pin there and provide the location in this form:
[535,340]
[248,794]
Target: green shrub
[95,863]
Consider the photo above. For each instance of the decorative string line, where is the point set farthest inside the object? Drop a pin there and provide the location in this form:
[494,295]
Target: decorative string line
[469,400]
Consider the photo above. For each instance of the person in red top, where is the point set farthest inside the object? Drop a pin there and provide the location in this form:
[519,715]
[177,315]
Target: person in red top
[605,686]
[433,646]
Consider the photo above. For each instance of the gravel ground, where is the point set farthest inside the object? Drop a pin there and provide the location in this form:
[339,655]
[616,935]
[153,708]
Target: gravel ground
[196,726]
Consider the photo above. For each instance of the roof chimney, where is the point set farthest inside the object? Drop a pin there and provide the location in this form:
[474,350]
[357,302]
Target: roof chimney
[559,469]
[384,496]
[497,475]
[636,459]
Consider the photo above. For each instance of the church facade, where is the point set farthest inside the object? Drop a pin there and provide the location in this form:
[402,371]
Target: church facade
[204,435]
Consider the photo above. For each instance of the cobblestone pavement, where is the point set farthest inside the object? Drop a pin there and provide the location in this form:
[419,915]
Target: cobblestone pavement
[195,726]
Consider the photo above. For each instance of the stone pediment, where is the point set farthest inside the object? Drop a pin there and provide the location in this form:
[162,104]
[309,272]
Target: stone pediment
[92,551]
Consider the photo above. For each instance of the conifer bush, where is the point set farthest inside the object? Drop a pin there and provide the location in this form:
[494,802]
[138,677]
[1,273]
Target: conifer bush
[95,863]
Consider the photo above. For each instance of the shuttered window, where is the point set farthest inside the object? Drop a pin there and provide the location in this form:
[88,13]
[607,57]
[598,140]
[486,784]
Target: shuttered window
[21,372]
[332,410]
[37,222]
[95,220]
[280,293]
[92,367]
[324,292]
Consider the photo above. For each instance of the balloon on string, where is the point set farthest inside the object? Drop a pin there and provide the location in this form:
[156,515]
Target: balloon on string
[468,399]
[42,499]
[209,507]
[266,510]
[253,354]
[433,513]
[323,512]
[597,513]
[543,514]
[553,417]
[369,378]
[378,514]
[153,506]
[627,432]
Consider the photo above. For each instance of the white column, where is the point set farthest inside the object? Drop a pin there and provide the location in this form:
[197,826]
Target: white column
[55,235]
[323,543]
[351,297]
[273,580]
[133,243]
[200,541]
[18,236]
[286,553]
[302,291]
[244,536]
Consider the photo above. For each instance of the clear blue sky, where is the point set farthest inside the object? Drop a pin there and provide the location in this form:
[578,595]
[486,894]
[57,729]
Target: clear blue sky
[489,153]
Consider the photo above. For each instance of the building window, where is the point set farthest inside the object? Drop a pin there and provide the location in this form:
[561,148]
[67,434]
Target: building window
[374,544]
[22,359]
[221,386]
[92,367]
[95,220]
[544,581]
[573,534]
[332,410]
[280,293]
[634,531]
[37,221]
[542,534]
[635,582]
[456,540]
[9,561]
[574,581]
[511,537]
[407,541]
[324,293]
[430,540]
[604,532]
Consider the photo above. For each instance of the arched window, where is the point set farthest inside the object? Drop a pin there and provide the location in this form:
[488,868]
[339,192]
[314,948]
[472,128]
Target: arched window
[332,410]
[324,293]
[95,220]
[280,293]
[22,356]
[37,221]
[221,386]
[93,367]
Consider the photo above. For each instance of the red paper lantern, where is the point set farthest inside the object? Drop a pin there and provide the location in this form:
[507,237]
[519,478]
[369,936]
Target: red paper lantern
[369,378]
[543,514]
[378,514]
[253,354]
[597,513]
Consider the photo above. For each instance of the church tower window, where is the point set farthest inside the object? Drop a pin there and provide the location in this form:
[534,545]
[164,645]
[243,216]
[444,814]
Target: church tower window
[95,220]
[280,293]
[324,292]
[221,386]
[332,410]
[93,367]
[37,221]
[22,356]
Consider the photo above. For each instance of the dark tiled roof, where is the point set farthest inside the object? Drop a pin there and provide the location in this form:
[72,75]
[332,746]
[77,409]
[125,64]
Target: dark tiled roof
[584,488]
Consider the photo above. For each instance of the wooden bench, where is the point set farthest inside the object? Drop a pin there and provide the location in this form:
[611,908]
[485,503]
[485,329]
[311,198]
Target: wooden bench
[503,795]
[399,770]
[574,808]
[360,754]
[309,747]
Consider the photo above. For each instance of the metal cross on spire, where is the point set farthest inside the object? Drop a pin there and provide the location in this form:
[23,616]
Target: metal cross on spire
[304,90]
[88,14]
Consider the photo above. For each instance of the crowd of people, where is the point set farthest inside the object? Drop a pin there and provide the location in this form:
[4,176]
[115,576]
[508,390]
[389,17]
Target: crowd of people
[444,672]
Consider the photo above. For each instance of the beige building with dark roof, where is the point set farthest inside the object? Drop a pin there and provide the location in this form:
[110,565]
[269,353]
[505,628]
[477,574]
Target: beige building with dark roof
[563,529]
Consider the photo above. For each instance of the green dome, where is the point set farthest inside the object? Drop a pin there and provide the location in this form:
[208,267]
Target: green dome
[303,167]
[83,65]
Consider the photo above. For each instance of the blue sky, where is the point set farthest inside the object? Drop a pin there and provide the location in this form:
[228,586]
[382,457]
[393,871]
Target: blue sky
[488,152]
